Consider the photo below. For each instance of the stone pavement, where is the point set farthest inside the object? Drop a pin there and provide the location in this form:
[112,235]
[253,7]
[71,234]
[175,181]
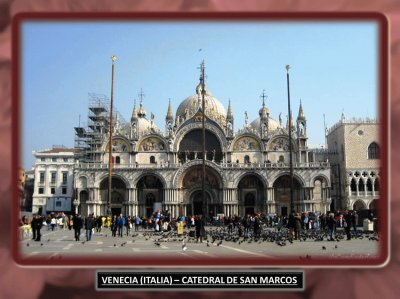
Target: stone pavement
[147,243]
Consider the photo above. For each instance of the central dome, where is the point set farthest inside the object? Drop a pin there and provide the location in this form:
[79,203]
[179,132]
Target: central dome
[213,108]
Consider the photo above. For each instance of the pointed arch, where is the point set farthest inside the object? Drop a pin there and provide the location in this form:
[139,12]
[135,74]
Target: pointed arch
[373,151]
[376,184]
[353,185]
[359,205]
[369,185]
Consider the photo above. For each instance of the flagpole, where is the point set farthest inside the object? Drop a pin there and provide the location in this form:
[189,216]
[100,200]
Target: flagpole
[203,130]
[113,58]
[290,142]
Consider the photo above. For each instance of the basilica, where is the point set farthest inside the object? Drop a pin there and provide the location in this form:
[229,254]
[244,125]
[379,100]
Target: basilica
[247,169]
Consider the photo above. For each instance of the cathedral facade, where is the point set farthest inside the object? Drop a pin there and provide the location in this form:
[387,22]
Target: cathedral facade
[247,170]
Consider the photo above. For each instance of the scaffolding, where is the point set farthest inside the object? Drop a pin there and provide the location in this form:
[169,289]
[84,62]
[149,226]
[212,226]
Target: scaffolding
[91,138]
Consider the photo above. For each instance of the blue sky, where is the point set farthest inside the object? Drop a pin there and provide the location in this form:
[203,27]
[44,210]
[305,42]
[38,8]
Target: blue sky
[333,69]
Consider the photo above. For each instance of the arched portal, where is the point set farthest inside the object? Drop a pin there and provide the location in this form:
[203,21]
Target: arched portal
[83,198]
[282,198]
[191,147]
[118,194]
[191,185]
[359,205]
[373,205]
[251,195]
[150,194]
[197,203]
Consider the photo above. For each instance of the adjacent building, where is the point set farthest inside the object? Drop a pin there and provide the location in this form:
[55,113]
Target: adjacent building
[355,163]
[54,180]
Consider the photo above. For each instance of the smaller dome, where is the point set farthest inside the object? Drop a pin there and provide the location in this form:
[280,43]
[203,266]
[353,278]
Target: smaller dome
[272,124]
[143,124]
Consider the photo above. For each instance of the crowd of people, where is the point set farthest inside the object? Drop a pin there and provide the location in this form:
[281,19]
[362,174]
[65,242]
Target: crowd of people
[120,225]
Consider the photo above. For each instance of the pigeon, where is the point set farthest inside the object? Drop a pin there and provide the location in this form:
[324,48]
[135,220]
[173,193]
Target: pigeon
[41,244]
[83,242]
[123,244]
[115,245]
[157,243]
[48,240]
[184,247]
[335,246]
[27,244]
[323,248]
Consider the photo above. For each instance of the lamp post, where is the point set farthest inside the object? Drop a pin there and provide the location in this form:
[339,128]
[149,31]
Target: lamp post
[113,58]
[290,142]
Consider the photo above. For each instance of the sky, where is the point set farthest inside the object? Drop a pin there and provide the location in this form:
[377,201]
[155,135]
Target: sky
[333,70]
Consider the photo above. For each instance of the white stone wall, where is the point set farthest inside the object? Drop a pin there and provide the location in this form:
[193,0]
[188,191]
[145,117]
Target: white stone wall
[60,165]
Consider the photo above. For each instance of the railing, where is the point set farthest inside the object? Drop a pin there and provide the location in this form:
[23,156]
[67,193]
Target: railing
[127,166]
[276,165]
[363,193]
[223,165]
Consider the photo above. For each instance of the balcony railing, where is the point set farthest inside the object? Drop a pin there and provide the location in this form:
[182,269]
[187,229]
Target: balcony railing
[276,165]
[296,165]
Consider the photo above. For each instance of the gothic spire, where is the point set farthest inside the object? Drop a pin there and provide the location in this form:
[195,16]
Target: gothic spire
[301,112]
[134,112]
[229,115]
[170,115]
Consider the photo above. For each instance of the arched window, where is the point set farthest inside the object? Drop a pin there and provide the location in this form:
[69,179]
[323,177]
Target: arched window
[281,159]
[246,159]
[369,185]
[353,185]
[152,160]
[376,184]
[117,160]
[373,151]
[361,185]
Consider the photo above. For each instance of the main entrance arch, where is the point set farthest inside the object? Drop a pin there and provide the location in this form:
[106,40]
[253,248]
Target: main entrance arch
[193,201]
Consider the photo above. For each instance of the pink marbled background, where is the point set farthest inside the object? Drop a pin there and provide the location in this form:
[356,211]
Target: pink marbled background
[17,282]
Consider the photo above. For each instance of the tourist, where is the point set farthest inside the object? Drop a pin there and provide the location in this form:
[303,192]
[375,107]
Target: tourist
[77,225]
[200,230]
[89,225]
